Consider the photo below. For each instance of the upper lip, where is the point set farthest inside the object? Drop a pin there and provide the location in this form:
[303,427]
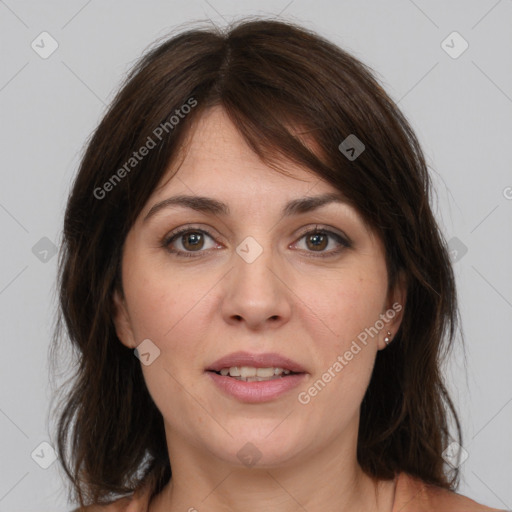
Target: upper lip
[267,360]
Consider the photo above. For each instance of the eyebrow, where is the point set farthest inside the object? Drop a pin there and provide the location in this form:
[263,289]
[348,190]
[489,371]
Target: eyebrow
[213,206]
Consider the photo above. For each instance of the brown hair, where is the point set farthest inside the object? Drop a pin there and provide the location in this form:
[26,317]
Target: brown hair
[271,77]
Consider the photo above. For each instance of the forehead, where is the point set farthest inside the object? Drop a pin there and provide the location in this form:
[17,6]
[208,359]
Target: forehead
[217,167]
[216,158]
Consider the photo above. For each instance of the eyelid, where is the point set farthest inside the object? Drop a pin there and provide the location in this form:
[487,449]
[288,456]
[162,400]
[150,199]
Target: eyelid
[327,229]
[192,227]
[342,239]
[175,233]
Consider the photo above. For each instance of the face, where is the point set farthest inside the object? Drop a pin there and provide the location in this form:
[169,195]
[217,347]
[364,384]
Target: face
[259,281]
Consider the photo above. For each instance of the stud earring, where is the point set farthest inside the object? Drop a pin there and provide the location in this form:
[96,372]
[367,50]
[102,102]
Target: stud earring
[387,339]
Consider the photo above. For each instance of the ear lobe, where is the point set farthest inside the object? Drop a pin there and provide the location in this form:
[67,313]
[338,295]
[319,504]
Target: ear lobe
[395,309]
[121,321]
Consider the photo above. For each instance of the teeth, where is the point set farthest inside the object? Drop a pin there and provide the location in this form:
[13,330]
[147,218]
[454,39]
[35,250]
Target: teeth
[251,374]
[248,371]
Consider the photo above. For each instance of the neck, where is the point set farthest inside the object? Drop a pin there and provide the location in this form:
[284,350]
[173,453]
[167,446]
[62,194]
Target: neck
[316,481]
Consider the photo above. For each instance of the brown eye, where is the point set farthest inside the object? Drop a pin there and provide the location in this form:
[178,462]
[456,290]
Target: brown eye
[192,240]
[317,241]
[189,241]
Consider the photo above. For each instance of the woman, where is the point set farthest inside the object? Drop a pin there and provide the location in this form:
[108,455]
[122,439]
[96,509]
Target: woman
[257,288]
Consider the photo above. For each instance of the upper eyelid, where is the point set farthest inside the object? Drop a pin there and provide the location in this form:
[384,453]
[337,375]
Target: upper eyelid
[302,232]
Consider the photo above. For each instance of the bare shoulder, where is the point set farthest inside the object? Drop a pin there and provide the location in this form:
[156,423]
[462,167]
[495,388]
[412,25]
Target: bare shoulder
[457,502]
[414,495]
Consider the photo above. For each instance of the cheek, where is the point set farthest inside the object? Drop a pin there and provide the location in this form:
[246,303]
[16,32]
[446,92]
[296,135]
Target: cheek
[155,296]
[345,306]
[346,353]
[168,307]
[172,311]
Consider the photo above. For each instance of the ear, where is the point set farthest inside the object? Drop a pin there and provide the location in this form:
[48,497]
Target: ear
[394,311]
[122,320]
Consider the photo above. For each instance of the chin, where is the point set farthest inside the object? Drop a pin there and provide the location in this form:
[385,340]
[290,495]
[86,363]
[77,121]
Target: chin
[261,447]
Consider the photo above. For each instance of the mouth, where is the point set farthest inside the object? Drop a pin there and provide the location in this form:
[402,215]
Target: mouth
[256,377]
[254,374]
[255,366]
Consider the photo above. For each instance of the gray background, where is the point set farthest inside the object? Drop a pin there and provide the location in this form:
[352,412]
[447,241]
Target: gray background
[461,109]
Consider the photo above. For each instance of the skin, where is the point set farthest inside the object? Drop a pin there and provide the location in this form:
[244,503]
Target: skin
[307,308]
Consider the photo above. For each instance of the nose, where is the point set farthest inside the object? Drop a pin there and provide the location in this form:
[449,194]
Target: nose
[256,291]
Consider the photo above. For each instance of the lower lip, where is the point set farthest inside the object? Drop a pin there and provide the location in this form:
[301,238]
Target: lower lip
[255,392]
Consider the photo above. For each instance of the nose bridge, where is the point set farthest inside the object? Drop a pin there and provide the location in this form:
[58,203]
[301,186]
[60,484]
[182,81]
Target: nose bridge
[253,263]
[255,291]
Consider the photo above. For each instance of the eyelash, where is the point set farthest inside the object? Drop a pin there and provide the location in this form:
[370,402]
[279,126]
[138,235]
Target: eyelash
[171,237]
